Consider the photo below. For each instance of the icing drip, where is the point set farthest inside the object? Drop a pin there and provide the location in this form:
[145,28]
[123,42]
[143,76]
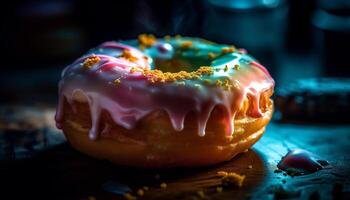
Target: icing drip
[134,96]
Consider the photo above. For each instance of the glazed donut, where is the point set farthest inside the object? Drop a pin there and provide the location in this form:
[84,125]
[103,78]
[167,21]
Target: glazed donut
[170,102]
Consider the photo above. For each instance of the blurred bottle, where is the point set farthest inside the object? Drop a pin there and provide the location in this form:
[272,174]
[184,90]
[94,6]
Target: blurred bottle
[332,36]
[257,25]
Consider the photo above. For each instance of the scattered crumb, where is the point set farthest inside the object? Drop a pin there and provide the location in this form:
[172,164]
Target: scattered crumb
[140,192]
[219,189]
[222,173]
[129,196]
[163,185]
[201,194]
[237,67]
[90,61]
[233,179]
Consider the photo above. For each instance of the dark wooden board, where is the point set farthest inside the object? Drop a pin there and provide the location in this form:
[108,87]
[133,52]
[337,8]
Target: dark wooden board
[48,168]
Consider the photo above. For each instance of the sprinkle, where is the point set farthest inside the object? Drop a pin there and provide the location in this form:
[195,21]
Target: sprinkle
[147,40]
[163,185]
[230,49]
[226,68]
[178,37]
[218,83]
[133,69]
[145,188]
[219,189]
[227,84]
[250,167]
[90,61]
[129,196]
[160,76]
[236,67]
[233,179]
[167,38]
[211,55]
[117,82]
[140,192]
[201,194]
[222,173]
[186,44]
[128,55]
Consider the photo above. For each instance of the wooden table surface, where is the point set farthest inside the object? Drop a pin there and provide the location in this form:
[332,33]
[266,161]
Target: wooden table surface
[46,167]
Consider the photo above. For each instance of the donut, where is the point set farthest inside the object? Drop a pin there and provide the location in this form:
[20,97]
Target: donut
[316,100]
[164,102]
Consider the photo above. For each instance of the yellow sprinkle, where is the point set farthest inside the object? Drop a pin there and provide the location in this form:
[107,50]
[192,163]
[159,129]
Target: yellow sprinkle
[222,173]
[90,61]
[186,44]
[160,76]
[133,69]
[167,38]
[201,194]
[140,192]
[147,40]
[227,84]
[233,179]
[219,189]
[91,198]
[129,196]
[226,68]
[178,37]
[128,55]
[145,188]
[117,82]
[218,83]
[236,67]
[230,49]
[211,55]
[163,185]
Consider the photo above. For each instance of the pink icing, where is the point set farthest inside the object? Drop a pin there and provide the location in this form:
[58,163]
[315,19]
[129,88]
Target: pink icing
[135,97]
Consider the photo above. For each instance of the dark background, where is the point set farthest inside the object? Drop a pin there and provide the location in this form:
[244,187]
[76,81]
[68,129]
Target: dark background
[293,39]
